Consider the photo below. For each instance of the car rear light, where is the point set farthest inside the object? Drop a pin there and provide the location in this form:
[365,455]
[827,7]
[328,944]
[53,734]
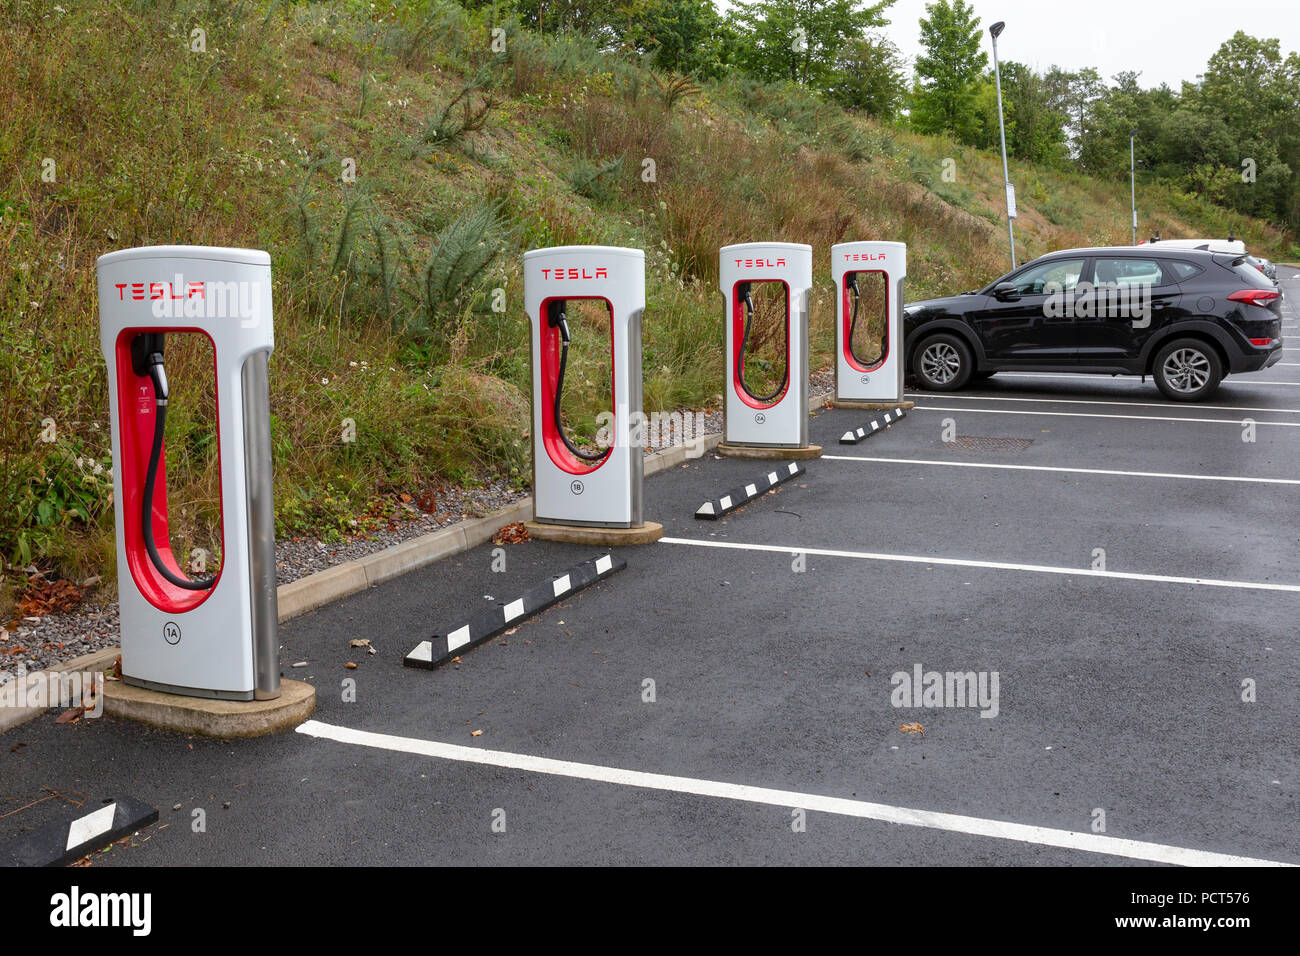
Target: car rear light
[1261,342]
[1259,297]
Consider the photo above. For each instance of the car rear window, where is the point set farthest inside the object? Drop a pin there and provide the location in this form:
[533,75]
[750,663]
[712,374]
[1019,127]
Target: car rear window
[1248,274]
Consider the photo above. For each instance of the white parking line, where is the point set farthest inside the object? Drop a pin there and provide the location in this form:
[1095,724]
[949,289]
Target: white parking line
[1072,471]
[1098,401]
[904,816]
[1140,418]
[1051,375]
[994,565]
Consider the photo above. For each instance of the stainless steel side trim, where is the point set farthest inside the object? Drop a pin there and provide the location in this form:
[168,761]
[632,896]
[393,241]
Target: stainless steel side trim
[261,527]
[805,393]
[901,354]
[634,409]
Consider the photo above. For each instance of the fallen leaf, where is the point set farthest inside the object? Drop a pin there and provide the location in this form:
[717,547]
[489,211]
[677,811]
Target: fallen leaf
[359,642]
[912,729]
[70,715]
[513,533]
[351,665]
[476,733]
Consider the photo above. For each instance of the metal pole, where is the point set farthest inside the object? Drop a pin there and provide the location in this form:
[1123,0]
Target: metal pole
[1132,185]
[1002,134]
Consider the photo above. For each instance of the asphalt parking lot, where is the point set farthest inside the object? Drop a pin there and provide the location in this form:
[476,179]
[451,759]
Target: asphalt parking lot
[1122,563]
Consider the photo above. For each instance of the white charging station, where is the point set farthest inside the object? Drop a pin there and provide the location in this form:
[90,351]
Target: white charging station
[778,421]
[203,637]
[575,488]
[873,379]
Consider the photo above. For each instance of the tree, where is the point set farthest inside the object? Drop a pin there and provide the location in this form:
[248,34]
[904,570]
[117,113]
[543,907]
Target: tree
[1036,129]
[948,74]
[614,24]
[800,40]
[1256,93]
[1249,84]
[690,36]
[871,77]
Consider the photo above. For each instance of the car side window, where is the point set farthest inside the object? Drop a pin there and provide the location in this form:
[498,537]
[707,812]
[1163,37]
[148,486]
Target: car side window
[1179,270]
[1063,272]
[1128,273]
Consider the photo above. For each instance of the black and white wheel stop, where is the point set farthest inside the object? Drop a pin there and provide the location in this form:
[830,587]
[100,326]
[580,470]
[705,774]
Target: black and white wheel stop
[856,435]
[715,508]
[82,831]
[486,625]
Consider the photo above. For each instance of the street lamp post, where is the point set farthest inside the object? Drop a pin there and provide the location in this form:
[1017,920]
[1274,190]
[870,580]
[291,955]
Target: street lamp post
[1132,184]
[995,31]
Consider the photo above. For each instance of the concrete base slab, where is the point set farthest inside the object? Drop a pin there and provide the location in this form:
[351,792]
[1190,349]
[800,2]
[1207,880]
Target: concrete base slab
[579,534]
[875,406]
[766,453]
[212,718]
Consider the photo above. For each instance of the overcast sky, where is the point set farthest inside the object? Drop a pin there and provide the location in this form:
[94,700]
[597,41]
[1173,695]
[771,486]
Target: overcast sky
[1167,40]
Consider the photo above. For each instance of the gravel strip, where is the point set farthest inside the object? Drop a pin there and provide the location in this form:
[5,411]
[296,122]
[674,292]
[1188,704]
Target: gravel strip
[298,557]
[60,637]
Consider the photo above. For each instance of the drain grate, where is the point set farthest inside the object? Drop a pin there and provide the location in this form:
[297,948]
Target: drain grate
[979,443]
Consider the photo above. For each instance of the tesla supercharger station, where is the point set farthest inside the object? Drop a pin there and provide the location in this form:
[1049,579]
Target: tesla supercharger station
[579,493]
[773,425]
[870,380]
[199,636]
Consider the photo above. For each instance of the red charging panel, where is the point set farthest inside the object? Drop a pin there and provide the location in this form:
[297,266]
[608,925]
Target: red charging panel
[136,406]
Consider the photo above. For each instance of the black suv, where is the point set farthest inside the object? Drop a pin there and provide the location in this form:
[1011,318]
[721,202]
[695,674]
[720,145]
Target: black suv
[1186,317]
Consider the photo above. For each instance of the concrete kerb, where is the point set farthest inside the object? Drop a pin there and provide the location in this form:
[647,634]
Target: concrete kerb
[94,663]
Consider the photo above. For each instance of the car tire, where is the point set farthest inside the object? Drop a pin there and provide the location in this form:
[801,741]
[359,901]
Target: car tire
[1187,370]
[942,363]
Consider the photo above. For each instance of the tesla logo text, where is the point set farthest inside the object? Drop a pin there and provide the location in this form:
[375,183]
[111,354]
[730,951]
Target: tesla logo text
[865,256]
[181,299]
[759,263]
[600,272]
[159,290]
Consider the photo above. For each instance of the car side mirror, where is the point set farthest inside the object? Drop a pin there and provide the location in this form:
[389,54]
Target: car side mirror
[1006,290]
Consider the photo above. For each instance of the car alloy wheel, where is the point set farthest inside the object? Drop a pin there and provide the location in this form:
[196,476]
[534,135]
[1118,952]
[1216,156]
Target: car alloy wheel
[940,363]
[1187,370]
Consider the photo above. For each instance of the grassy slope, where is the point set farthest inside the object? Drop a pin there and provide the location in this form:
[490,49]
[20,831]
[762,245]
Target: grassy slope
[243,145]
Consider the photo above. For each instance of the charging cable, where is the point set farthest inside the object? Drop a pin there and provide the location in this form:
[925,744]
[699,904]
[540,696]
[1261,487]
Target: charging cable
[743,291]
[147,359]
[556,319]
